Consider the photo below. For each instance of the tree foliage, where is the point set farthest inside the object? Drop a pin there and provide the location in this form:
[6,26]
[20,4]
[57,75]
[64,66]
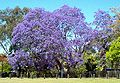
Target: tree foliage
[113,55]
[9,18]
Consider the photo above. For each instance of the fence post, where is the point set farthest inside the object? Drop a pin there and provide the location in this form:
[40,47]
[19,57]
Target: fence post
[44,76]
[107,76]
[56,76]
[10,75]
[117,76]
[80,76]
[93,75]
[68,76]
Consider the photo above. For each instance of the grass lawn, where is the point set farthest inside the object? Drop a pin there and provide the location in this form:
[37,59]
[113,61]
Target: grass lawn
[60,80]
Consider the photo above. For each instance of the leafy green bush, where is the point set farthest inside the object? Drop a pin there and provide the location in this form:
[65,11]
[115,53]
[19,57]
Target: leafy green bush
[113,55]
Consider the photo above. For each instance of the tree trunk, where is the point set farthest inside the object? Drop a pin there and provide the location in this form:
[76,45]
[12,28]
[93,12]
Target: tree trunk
[61,72]
[2,67]
[60,67]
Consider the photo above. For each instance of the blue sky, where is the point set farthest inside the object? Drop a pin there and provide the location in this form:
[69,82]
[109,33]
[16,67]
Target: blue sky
[88,7]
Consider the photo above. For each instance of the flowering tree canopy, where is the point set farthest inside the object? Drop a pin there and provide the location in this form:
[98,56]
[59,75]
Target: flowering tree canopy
[45,39]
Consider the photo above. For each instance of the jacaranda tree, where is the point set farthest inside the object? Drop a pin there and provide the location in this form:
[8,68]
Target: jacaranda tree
[46,40]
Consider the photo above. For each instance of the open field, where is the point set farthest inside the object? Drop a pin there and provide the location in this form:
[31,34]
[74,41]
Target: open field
[60,80]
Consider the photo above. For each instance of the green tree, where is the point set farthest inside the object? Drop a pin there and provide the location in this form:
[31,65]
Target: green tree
[116,25]
[6,67]
[9,18]
[113,55]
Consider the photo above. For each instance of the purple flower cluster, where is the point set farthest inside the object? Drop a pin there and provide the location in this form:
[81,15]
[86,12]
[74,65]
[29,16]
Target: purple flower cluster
[103,19]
